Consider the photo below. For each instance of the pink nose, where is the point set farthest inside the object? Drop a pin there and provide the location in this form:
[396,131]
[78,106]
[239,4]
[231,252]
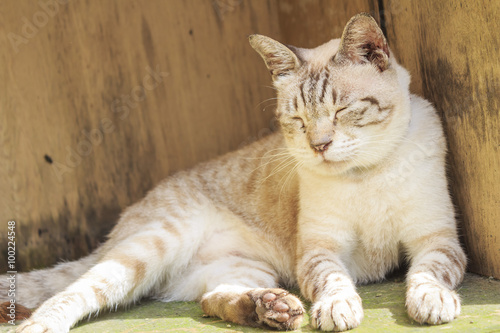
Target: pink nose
[321,146]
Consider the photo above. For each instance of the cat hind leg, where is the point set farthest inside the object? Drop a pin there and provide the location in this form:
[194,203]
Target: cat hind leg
[127,272]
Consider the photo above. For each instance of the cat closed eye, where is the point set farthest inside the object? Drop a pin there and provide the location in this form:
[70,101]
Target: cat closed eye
[339,111]
[300,123]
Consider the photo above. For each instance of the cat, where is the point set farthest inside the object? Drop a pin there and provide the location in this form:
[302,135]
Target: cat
[352,185]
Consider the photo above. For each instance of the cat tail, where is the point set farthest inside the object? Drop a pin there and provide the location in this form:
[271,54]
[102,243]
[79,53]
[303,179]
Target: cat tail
[33,288]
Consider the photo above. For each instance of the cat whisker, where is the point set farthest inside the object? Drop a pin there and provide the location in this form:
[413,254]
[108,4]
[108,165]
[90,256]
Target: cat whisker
[282,151]
[271,99]
[289,176]
[394,138]
[283,165]
[283,159]
[265,157]
[268,106]
[358,162]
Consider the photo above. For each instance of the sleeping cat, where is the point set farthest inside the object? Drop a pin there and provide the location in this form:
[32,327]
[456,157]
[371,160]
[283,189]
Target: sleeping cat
[352,185]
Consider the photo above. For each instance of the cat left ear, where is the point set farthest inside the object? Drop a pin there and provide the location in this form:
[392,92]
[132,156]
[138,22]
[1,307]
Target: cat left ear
[279,59]
[363,42]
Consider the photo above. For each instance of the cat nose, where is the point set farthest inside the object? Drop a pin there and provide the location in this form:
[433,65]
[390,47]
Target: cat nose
[321,146]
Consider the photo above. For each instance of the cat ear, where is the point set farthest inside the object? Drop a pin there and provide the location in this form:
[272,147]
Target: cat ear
[363,42]
[279,59]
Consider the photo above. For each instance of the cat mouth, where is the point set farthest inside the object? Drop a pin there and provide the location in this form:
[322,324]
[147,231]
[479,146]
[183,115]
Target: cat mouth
[332,162]
[335,163]
[337,157]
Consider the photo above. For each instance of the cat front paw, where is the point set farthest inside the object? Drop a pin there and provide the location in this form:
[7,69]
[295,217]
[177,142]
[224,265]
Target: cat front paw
[341,312]
[277,308]
[428,302]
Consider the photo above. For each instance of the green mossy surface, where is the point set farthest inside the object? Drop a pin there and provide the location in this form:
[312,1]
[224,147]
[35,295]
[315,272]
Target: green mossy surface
[383,304]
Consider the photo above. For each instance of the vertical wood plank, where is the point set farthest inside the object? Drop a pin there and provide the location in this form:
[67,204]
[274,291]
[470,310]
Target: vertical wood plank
[85,130]
[451,49]
[309,23]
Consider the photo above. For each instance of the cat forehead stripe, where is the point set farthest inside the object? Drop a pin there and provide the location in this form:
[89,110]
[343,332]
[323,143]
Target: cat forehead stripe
[313,88]
[323,88]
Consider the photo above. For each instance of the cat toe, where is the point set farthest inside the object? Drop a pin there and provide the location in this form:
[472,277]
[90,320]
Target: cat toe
[278,309]
[337,313]
[431,303]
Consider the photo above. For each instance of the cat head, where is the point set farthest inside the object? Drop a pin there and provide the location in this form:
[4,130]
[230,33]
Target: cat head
[344,105]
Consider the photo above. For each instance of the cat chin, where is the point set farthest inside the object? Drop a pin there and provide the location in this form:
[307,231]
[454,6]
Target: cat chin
[335,168]
[328,168]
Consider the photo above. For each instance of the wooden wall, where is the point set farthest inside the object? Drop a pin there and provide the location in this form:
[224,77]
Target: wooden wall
[82,68]
[83,71]
[452,51]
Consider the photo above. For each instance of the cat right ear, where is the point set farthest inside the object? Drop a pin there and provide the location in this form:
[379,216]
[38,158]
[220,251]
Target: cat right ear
[279,59]
[363,42]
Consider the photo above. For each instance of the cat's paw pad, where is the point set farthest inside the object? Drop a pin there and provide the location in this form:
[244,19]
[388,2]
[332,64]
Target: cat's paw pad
[278,308]
[340,312]
[430,303]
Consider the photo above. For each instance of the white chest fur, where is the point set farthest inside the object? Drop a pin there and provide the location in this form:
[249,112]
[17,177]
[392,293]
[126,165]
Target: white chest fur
[360,216]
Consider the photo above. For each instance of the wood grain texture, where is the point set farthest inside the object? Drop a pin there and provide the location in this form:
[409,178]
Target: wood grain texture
[85,130]
[451,49]
[309,23]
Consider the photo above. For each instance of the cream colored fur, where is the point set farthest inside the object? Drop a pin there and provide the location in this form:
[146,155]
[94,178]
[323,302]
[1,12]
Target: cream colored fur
[353,184]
